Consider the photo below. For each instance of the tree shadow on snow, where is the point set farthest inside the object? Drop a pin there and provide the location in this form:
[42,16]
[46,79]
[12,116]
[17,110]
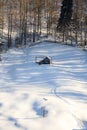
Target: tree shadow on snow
[1,104]
[74,95]
[85,125]
[16,124]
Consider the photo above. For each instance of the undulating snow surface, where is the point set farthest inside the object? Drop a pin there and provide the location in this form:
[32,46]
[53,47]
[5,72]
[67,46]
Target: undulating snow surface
[43,97]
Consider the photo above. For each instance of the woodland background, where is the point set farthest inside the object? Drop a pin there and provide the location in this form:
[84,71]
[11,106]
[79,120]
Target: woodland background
[26,21]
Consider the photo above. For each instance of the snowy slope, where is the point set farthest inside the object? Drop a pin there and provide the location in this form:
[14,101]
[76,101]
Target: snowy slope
[38,97]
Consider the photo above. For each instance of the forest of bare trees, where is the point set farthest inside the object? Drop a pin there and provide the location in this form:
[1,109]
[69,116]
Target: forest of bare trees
[23,21]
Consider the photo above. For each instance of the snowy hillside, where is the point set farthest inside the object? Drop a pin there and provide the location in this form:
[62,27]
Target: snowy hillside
[38,97]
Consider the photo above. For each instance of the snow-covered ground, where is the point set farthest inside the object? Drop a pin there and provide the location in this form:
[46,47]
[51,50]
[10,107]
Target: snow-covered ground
[38,97]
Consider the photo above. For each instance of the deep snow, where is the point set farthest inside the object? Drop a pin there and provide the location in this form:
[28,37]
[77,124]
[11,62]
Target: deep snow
[29,90]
